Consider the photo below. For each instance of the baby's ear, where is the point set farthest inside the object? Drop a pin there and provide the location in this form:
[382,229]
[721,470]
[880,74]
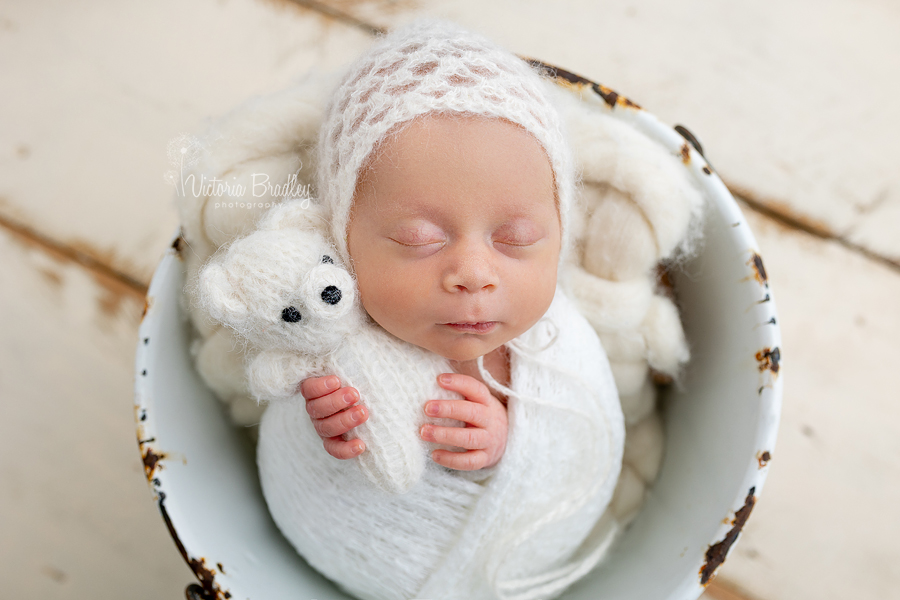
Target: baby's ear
[220,298]
[300,213]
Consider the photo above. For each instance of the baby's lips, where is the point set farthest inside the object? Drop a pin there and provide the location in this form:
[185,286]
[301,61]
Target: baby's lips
[473,327]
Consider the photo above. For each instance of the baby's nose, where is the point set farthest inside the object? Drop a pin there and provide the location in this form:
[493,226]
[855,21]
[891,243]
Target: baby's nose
[471,269]
[331,295]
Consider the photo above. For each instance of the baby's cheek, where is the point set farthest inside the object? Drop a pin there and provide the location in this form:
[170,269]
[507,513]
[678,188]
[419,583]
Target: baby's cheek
[534,292]
[388,297]
[409,296]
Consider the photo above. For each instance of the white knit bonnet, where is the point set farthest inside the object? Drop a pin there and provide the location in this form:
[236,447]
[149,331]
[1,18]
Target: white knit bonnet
[431,67]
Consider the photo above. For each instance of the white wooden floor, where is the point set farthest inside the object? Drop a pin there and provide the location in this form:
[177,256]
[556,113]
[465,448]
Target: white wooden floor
[795,102]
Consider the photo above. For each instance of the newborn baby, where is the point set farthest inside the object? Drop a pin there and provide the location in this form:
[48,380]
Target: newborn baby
[448,186]
[452,217]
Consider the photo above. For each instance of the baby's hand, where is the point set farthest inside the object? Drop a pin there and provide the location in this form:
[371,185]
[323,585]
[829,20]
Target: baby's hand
[327,404]
[483,437]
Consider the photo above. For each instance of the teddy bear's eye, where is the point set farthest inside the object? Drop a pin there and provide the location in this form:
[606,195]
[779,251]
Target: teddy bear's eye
[291,314]
[327,259]
[331,295]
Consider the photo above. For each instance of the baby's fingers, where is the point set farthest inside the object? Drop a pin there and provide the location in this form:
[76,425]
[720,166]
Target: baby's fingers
[316,387]
[341,423]
[338,448]
[469,387]
[460,410]
[471,460]
[319,408]
[469,438]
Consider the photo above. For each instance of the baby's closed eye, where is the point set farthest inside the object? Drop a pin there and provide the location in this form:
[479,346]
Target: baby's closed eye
[520,232]
[418,235]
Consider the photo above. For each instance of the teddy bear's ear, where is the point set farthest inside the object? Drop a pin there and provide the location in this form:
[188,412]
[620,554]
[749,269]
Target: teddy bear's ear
[300,213]
[219,297]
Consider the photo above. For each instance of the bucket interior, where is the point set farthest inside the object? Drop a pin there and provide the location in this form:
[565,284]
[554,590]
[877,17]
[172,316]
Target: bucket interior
[718,423]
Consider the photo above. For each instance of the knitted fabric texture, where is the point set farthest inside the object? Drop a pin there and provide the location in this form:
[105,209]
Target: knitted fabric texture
[431,67]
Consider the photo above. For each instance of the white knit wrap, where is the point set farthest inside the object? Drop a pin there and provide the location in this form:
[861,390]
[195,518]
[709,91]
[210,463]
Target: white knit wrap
[431,67]
[525,532]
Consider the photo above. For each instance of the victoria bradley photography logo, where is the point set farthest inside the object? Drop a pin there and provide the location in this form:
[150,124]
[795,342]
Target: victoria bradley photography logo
[186,151]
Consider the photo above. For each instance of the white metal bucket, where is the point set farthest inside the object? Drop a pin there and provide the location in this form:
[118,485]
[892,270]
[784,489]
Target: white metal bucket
[720,426]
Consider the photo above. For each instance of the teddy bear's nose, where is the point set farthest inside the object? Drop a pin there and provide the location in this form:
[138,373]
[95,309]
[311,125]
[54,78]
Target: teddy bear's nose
[291,314]
[331,295]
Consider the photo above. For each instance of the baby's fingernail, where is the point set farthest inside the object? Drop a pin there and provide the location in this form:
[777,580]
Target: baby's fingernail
[445,378]
[356,416]
[332,383]
[349,396]
[358,448]
[426,432]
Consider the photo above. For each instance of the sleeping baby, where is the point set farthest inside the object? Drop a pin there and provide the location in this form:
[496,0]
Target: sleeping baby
[448,190]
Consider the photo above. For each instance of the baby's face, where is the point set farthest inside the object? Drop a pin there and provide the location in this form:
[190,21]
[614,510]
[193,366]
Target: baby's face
[455,235]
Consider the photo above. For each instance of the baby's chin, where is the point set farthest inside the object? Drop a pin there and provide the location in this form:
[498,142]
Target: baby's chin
[464,350]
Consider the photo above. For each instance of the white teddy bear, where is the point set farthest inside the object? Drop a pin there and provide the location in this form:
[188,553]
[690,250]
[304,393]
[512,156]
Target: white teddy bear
[281,288]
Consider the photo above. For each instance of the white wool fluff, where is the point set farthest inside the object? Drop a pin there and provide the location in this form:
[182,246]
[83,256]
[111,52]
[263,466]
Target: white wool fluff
[609,305]
[220,361]
[246,411]
[644,447]
[528,531]
[637,406]
[667,347]
[629,494]
[624,344]
[629,375]
[619,243]
[431,67]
